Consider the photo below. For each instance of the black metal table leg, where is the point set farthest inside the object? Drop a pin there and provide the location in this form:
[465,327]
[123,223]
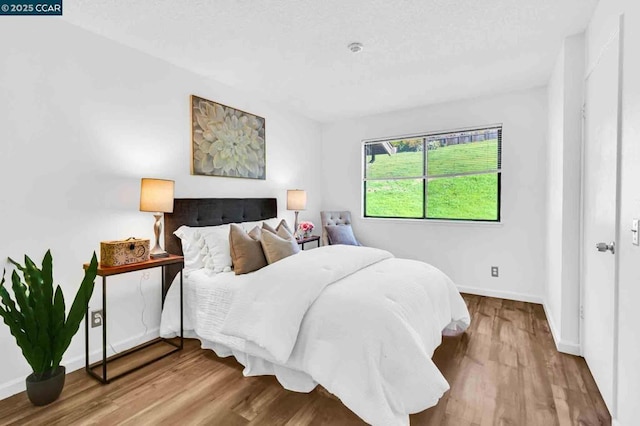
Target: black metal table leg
[104,330]
[86,340]
[104,379]
[181,314]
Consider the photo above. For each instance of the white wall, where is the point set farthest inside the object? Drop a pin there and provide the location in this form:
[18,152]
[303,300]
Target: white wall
[573,89]
[565,97]
[464,251]
[603,24]
[82,119]
[553,281]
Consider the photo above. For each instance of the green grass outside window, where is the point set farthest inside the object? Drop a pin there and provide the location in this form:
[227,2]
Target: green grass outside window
[469,197]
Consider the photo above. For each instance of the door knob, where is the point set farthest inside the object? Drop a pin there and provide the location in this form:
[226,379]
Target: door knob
[604,247]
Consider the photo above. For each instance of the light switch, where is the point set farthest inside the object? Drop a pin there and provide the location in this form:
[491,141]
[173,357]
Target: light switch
[634,231]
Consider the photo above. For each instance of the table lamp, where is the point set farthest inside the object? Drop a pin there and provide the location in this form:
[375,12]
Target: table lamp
[156,195]
[296,201]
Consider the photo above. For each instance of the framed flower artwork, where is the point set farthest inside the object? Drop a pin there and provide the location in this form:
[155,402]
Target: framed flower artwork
[226,141]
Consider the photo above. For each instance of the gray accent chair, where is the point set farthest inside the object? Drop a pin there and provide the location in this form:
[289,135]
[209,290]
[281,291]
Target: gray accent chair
[333,218]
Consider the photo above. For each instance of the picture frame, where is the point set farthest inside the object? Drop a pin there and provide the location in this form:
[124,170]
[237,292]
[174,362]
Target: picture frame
[226,141]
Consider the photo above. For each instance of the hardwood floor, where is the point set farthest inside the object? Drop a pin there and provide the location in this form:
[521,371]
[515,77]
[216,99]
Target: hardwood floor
[503,371]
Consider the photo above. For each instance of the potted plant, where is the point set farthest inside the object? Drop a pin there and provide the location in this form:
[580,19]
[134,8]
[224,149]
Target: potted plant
[38,321]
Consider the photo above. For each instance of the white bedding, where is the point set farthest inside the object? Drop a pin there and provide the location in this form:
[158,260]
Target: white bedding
[356,320]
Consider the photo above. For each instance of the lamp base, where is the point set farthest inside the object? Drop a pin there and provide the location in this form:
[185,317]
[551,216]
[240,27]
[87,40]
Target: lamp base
[157,251]
[158,255]
[295,225]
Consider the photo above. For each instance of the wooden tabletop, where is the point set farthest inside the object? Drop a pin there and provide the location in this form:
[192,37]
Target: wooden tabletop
[105,271]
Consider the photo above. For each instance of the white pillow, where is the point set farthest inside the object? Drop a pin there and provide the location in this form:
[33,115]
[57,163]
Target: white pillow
[208,246]
[216,239]
[194,249]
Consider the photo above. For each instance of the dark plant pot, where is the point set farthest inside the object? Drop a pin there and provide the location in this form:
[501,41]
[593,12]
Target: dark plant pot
[43,392]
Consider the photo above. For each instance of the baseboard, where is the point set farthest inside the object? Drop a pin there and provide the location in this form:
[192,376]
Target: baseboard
[12,387]
[520,297]
[563,346]
[76,363]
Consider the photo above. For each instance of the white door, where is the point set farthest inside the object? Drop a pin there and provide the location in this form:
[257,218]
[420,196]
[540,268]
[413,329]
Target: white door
[600,219]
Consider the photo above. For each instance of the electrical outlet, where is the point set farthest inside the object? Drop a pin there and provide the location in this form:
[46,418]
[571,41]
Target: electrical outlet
[96,318]
[494,271]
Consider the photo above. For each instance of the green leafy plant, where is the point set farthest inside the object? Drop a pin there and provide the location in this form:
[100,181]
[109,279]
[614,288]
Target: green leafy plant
[37,317]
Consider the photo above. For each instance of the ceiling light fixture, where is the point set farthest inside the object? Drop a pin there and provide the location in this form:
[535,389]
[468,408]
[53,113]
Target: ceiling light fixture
[355,47]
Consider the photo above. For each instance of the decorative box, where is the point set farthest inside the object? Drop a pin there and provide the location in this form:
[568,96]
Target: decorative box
[124,252]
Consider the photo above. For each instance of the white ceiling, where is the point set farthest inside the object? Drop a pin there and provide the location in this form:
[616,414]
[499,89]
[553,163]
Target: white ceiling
[294,52]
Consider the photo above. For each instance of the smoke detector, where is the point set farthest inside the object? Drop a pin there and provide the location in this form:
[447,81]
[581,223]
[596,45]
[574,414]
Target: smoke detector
[355,47]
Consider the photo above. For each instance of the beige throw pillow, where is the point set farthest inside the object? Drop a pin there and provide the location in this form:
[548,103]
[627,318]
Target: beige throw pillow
[278,246]
[282,224]
[267,227]
[246,250]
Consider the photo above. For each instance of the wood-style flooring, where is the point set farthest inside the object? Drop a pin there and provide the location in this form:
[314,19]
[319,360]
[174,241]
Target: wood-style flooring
[504,370]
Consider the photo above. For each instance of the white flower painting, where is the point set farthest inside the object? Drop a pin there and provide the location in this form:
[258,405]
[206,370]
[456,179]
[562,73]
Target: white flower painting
[226,141]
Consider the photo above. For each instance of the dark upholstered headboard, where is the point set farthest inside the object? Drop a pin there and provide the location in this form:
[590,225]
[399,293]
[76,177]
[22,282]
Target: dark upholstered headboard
[210,212]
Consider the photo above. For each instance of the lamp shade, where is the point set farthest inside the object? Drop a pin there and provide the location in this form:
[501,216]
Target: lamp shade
[156,195]
[296,199]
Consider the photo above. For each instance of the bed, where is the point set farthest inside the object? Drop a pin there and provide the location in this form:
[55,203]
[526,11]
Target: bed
[356,320]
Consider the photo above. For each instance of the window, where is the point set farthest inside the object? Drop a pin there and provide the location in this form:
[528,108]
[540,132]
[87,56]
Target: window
[453,176]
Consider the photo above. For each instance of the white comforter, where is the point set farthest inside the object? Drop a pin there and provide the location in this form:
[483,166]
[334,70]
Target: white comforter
[356,320]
